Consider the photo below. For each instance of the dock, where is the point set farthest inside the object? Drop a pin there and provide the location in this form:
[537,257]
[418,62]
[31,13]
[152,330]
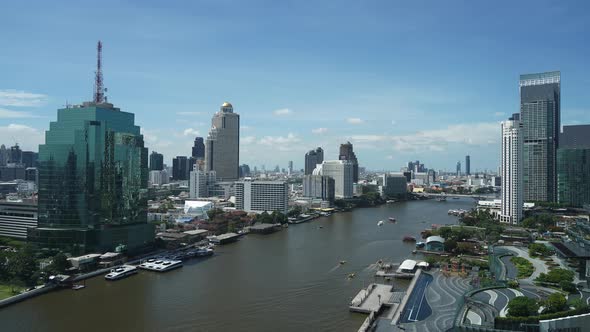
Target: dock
[374,297]
[225,238]
[264,228]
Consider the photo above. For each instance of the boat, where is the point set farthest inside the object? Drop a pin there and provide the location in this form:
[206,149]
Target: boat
[442,199]
[414,251]
[389,201]
[380,223]
[161,265]
[342,262]
[121,272]
[392,219]
[455,197]
[420,244]
[78,286]
[321,227]
[409,238]
[203,252]
[351,275]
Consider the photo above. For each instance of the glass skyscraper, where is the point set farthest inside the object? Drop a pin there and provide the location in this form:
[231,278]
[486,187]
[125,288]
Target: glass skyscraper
[573,166]
[93,182]
[540,116]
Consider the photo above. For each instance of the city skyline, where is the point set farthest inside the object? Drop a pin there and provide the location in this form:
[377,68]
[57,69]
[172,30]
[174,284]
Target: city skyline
[401,103]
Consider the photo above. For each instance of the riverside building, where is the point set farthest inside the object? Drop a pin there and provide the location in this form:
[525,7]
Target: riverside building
[262,196]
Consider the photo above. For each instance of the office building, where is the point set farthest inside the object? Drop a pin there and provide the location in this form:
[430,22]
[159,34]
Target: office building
[312,159]
[180,170]
[245,170]
[512,172]
[158,178]
[93,177]
[319,186]
[222,148]
[467,165]
[16,217]
[262,196]
[198,149]
[15,154]
[342,173]
[156,161]
[458,170]
[347,153]
[12,172]
[573,166]
[3,155]
[540,117]
[200,182]
[392,185]
[290,167]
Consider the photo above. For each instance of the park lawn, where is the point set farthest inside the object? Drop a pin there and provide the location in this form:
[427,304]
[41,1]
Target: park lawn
[6,291]
[524,267]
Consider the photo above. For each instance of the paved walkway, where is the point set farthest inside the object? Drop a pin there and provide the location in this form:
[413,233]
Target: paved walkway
[538,264]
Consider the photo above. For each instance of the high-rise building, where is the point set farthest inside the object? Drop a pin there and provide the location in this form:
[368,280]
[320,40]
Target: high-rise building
[180,170]
[290,168]
[245,170]
[573,166]
[347,153]
[93,175]
[458,170]
[312,159]
[156,161]
[199,148]
[29,158]
[319,186]
[158,178]
[3,155]
[540,117]
[15,154]
[200,182]
[342,173]
[512,172]
[262,196]
[467,165]
[222,148]
[393,185]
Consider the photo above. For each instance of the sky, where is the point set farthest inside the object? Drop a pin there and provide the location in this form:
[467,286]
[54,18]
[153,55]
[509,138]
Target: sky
[401,80]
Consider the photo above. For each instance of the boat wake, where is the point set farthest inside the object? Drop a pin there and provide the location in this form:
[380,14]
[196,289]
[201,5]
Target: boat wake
[334,268]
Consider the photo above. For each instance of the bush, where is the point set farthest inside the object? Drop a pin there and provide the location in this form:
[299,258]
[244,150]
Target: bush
[525,268]
[556,276]
[522,306]
[567,286]
[556,302]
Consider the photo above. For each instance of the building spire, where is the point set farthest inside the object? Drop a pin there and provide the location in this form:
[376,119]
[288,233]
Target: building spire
[98,84]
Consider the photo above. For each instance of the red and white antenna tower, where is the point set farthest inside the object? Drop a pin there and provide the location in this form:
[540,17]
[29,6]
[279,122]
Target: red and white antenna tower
[98,84]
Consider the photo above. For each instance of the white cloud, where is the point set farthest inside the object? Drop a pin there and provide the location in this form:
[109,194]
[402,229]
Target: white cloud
[498,114]
[190,132]
[188,113]
[319,130]
[354,121]
[8,114]
[21,98]
[248,139]
[282,112]
[245,128]
[27,137]
[281,143]
[438,139]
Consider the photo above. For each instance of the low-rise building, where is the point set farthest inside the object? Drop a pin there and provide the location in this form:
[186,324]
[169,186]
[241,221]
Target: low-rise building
[16,217]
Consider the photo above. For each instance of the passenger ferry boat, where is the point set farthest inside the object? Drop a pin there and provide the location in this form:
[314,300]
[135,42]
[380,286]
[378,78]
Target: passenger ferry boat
[161,265]
[392,219]
[121,272]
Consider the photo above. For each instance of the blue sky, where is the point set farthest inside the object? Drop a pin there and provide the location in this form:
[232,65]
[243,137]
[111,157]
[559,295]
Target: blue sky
[402,80]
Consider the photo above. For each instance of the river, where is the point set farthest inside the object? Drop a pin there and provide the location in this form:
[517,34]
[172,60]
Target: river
[287,281]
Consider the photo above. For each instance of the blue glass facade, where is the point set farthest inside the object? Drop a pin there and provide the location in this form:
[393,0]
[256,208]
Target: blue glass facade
[93,182]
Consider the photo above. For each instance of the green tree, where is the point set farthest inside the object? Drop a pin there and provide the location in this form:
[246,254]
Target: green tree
[59,263]
[522,306]
[556,302]
[295,211]
[567,286]
[23,266]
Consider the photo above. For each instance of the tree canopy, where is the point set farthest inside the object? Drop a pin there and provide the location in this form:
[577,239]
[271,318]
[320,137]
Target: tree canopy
[522,306]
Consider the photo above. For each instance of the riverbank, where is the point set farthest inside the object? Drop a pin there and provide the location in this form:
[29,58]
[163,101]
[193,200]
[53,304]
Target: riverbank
[290,280]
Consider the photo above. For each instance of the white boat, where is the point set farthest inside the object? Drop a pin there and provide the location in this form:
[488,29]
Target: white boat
[161,265]
[121,272]
[380,223]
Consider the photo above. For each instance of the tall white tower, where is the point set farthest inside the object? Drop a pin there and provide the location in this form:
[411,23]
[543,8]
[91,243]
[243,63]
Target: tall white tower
[222,148]
[512,172]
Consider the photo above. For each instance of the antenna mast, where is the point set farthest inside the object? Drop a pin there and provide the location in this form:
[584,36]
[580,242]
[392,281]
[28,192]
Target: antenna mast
[98,84]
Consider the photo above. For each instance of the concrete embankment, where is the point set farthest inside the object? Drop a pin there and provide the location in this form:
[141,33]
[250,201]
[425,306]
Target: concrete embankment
[26,295]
